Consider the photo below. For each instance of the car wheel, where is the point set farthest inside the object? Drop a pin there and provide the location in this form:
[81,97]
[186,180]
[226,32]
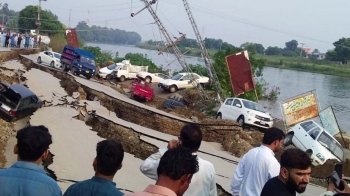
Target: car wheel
[38,60]
[173,89]
[122,78]
[52,64]
[148,79]
[219,116]
[109,77]
[241,121]
[288,139]
[200,85]
[309,152]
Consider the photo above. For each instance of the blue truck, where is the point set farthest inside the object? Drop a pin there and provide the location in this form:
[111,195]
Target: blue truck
[78,61]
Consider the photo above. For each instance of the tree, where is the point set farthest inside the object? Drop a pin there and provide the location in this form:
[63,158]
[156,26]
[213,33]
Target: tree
[49,21]
[105,35]
[224,78]
[12,25]
[342,49]
[273,50]
[260,48]
[316,51]
[332,56]
[292,45]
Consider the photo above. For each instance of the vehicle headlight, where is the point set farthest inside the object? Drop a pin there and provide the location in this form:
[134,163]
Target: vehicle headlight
[321,157]
[93,70]
[80,65]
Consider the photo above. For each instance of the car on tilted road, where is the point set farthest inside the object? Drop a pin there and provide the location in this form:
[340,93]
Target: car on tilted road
[51,58]
[152,77]
[245,112]
[182,81]
[17,101]
[316,141]
[106,72]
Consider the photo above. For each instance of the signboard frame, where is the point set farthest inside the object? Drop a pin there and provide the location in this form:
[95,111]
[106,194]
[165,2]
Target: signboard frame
[335,120]
[314,92]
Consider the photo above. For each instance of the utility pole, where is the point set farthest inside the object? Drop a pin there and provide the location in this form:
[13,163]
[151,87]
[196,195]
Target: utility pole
[70,11]
[177,51]
[301,50]
[38,22]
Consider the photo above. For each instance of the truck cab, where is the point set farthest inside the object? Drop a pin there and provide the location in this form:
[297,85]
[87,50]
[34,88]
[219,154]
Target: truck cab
[125,70]
[78,62]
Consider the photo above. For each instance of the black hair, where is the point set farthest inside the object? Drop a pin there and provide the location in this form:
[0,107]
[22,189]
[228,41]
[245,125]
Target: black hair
[177,162]
[110,155]
[191,137]
[32,142]
[272,134]
[295,159]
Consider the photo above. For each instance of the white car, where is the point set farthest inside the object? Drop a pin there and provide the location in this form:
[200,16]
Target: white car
[316,141]
[182,81]
[152,77]
[245,112]
[105,72]
[51,58]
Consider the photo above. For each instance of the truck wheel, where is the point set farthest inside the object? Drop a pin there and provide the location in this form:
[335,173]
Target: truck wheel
[148,79]
[64,69]
[241,121]
[173,89]
[122,78]
[109,77]
[88,77]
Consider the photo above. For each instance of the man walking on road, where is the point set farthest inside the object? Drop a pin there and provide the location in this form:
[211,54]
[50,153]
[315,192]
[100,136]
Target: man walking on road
[203,182]
[294,175]
[258,165]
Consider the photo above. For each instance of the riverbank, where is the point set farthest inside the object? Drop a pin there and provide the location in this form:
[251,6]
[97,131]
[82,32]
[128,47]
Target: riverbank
[195,52]
[290,63]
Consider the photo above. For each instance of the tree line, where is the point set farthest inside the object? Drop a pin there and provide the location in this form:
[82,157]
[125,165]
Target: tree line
[106,35]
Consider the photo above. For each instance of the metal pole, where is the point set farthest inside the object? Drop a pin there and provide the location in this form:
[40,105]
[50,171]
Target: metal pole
[38,17]
[69,18]
[301,49]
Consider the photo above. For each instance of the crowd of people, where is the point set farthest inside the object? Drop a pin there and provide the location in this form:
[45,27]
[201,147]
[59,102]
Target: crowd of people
[176,169]
[17,40]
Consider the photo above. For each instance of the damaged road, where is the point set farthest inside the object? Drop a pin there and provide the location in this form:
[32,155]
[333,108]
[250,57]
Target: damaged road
[141,129]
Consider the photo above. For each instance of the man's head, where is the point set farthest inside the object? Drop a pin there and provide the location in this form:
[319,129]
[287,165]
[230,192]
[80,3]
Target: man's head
[295,169]
[109,158]
[33,144]
[176,168]
[191,137]
[274,138]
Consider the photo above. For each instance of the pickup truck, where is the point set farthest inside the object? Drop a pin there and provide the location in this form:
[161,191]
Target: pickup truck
[125,70]
[78,61]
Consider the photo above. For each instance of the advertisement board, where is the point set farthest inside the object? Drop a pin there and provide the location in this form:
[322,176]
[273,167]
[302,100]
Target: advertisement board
[240,72]
[329,121]
[299,109]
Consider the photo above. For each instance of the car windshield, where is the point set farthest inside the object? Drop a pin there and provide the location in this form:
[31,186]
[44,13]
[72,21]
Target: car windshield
[57,56]
[87,60]
[177,77]
[253,106]
[331,144]
[9,98]
[111,67]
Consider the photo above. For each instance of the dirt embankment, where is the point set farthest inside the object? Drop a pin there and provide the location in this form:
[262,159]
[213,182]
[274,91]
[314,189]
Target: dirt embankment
[6,128]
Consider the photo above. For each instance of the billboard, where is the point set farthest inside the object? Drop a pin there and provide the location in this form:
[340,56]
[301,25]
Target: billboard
[299,109]
[329,121]
[240,72]
[72,38]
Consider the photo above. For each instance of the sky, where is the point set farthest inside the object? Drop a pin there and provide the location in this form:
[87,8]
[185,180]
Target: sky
[316,23]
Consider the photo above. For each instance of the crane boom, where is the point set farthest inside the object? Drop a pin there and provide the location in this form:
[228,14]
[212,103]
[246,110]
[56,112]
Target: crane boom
[205,54]
[177,51]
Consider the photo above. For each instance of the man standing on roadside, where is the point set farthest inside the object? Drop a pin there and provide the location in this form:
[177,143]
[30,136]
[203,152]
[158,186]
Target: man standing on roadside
[293,177]
[110,155]
[175,171]
[258,165]
[203,182]
[26,177]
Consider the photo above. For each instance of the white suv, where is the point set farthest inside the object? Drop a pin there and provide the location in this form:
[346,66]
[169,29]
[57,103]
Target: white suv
[245,112]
